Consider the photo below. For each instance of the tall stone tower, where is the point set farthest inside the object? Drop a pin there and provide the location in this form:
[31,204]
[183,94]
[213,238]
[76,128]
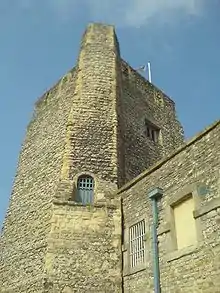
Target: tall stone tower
[100,126]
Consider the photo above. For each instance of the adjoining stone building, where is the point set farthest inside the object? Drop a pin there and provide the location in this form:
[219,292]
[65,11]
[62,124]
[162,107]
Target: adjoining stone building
[189,220]
[80,217]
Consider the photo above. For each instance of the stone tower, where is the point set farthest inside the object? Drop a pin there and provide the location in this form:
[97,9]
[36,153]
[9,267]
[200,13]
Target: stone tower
[100,126]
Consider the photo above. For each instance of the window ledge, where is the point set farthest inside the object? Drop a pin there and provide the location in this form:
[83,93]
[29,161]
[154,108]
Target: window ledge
[174,255]
[77,204]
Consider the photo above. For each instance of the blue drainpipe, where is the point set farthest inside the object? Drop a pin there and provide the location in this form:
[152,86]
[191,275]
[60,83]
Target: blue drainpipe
[154,195]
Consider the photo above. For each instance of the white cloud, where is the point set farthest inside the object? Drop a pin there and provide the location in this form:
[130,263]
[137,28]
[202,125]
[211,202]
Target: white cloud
[139,12]
[130,13]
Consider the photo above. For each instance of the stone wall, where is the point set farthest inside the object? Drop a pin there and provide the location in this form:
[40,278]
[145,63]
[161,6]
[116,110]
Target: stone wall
[105,140]
[85,249]
[84,244]
[92,122]
[24,238]
[142,100]
[75,131]
[194,169]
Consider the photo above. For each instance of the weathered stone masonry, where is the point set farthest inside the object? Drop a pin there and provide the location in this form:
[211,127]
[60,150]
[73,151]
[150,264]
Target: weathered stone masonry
[142,100]
[24,238]
[84,244]
[97,121]
[194,168]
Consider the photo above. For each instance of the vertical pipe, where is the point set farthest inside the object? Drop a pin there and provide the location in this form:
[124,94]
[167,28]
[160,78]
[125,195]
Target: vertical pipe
[154,195]
[155,247]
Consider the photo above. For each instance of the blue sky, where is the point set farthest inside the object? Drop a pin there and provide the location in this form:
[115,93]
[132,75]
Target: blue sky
[40,42]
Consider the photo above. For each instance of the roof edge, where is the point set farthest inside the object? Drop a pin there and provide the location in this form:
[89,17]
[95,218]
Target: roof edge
[147,81]
[43,97]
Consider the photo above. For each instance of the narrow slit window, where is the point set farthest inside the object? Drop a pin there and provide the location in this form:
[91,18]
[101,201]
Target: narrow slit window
[151,131]
[85,190]
[137,244]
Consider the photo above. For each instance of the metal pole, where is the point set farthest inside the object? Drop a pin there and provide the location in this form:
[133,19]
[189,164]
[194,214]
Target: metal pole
[149,71]
[155,247]
[154,195]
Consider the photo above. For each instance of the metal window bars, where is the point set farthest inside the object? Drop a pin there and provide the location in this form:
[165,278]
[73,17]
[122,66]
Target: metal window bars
[137,244]
[85,190]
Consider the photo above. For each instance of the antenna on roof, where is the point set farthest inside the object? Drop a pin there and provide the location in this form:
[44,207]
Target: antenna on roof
[143,69]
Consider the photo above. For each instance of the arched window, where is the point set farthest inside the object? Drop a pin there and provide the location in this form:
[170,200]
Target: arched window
[85,189]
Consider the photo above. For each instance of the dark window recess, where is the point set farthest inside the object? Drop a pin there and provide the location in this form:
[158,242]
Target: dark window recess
[85,190]
[151,131]
[125,71]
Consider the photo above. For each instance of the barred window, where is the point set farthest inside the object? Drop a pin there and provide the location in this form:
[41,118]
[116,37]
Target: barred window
[137,244]
[85,189]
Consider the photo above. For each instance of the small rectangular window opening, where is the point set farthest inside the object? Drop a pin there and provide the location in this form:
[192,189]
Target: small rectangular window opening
[137,244]
[125,71]
[152,131]
[85,190]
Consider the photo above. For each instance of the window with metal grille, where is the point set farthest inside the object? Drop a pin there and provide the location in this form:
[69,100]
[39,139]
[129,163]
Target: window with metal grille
[85,190]
[137,244]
